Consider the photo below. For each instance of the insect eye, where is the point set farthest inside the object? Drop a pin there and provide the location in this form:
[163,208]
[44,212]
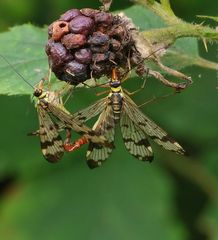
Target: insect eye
[37,92]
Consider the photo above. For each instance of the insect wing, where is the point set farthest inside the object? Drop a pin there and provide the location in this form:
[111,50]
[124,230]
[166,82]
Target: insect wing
[91,111]
[105,125]
[51,142]
[70,122]
[151,128]
[135,139]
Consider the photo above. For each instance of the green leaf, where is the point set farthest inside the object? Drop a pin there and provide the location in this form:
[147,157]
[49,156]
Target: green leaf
[125,199]
[184,53]
[144,18]
[23,47]
[210,220]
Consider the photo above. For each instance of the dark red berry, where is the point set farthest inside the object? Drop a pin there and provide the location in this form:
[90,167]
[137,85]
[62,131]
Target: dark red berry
[90,43]
[83,55]
[70,14]
[98,38]
[71,40]
[75,68]
[104,18]
[81,24]
[75,73]
[100,57]
[50,30]
[57,54]
[99,69]
[100,49]
[48,46]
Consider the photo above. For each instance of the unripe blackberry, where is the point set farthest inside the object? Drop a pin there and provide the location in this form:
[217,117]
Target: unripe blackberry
[89,43]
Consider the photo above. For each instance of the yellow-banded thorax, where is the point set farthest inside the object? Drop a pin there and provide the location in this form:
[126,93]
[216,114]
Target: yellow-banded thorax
[116,96]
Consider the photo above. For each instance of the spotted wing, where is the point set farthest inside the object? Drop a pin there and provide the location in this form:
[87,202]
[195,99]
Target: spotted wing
[51,142]
[70,122]
[135,139]
[151,128]
[105,125]
[91,111]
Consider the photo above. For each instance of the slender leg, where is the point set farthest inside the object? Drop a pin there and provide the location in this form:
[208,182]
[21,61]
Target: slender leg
[44,79]
[140,88]
[69,95]
[97,85]
[125,77]
[49,78]
[101,93]
[173,72]
[160,77]
[137,90]
[154,98]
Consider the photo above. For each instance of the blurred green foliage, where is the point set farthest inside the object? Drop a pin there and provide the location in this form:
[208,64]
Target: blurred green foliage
[173,198]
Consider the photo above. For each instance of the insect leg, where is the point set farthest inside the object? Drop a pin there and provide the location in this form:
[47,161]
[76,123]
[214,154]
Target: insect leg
[174,72]
[154,98]
[160,77]
[101,93]
[44,79]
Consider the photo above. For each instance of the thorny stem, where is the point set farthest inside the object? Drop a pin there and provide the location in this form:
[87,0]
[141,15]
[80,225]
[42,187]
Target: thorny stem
[169,34]
[177,28]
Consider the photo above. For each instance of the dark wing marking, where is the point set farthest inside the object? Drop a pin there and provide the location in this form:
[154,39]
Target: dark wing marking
[105,125]
[151,128]
[69,121]
[51,142]
[135,139]
[91,111]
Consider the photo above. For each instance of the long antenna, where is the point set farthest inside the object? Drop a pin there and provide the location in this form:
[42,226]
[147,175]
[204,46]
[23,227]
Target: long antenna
[5,59]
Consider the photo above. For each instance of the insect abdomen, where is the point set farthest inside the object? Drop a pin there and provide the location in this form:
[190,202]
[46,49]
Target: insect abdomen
[116,102]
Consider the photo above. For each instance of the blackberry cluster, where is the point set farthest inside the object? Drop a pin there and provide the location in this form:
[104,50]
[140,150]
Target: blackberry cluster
[88,43]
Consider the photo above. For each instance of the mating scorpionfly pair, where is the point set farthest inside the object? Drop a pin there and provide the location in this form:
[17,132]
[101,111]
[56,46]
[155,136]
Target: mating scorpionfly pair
[90,43]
